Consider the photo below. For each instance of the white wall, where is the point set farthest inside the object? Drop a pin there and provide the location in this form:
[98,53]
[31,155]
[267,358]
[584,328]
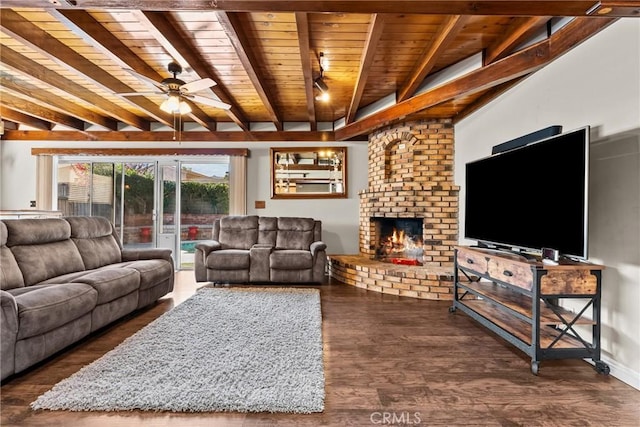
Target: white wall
[596,84]
[339,216]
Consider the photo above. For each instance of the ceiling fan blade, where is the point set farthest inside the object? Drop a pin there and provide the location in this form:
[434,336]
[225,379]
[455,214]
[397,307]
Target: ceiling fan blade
[144,78]
[197,85]
[209,101]
[141,93]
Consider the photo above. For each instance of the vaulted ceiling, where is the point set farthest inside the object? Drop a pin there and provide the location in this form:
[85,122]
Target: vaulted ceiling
[64,64]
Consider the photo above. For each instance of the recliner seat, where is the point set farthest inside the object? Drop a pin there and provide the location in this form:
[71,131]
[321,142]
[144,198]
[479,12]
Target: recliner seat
[254,249]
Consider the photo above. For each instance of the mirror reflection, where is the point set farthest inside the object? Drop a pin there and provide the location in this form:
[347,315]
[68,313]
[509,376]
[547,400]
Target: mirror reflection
[308,172]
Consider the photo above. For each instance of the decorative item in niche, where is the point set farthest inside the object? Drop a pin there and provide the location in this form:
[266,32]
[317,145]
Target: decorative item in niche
[306,173]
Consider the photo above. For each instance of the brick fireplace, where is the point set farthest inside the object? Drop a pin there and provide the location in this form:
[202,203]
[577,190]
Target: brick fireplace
[398,239]
[410,177]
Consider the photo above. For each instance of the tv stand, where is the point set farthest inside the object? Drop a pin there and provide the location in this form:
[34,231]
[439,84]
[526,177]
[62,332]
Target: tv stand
[519,299]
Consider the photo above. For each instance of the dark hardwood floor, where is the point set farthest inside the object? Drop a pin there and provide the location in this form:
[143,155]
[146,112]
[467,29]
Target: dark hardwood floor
[388,361]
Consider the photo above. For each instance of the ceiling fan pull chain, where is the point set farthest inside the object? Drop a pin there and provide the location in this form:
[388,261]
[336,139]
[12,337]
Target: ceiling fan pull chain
[174,125]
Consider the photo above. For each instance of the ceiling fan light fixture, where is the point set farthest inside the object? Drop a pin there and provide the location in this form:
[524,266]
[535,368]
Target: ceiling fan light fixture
[184,108]
[171,104]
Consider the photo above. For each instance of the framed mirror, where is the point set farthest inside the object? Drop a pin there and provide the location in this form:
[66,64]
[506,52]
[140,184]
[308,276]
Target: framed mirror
[308,173]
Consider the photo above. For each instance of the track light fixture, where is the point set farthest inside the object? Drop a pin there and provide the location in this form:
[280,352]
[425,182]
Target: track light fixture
[319,82]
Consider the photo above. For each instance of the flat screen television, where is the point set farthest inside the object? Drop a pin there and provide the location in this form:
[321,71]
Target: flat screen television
[532,197]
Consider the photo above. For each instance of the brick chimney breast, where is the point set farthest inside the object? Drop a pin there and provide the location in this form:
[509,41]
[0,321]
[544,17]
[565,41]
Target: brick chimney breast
[411,176]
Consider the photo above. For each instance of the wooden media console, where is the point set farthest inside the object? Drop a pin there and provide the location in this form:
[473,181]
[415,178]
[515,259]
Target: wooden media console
[526,302]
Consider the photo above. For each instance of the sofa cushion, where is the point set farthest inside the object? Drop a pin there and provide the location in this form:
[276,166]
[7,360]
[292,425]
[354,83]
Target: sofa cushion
[111,283]
[42,262]
[95,240]
[10,274]
[229,259]
[267,230]
[295,233]
[32,231]
[42,248]
[43,308]
[238,232]
[290,259]
[152,271]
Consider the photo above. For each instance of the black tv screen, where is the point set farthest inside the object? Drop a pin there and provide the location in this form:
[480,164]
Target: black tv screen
[532,197]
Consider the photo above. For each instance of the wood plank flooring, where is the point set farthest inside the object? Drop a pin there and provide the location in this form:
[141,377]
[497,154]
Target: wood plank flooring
[388,361]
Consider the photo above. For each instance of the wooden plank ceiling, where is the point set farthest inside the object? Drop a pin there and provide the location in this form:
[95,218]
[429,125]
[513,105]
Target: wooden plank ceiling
[63,63]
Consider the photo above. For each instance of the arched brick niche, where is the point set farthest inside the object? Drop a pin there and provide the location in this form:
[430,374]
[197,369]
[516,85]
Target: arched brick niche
[410,176]
[398,158]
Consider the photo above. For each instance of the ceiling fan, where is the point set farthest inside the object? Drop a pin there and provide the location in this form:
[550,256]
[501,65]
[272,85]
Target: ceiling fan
[177,90]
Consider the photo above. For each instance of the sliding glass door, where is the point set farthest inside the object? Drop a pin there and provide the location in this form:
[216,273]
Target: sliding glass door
[204,197]
[135,201]
[153,203]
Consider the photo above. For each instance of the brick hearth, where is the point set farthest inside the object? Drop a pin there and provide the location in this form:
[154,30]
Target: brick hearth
[426,282]
[410,176]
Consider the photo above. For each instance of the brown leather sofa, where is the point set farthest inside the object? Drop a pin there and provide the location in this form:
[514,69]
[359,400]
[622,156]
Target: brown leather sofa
[256,249]
[63,278]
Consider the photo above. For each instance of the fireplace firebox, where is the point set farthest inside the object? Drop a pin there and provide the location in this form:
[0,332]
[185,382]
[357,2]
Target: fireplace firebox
[399,240]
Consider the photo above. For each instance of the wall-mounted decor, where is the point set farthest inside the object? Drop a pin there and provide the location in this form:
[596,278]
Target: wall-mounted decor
[308,173]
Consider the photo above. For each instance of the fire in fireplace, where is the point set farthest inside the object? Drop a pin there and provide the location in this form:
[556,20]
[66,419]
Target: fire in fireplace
[399,240]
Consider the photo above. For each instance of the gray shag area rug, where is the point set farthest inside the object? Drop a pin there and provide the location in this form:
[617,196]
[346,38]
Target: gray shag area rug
[224,349]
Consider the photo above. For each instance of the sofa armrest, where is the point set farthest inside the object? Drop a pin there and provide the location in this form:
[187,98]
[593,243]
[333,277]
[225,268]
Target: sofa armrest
[149,253]
[318,252]
[8,333]
[317,247]
[203,249]
[208,246]
[9,310]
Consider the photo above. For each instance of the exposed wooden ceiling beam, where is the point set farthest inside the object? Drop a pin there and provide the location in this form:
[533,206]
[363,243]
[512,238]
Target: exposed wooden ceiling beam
[14,25]
[26,107]
[523,62]
[232,26]
[94,34]
[433,7]
[514,66]
[487,97]
[25,119]
[615,8]
[49,151]
[35,71]
[519,32]
[302,25]
[370,46]
[165,30]
[443,38]
[9,125]
[574,33]
[61,105]
[195,136]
